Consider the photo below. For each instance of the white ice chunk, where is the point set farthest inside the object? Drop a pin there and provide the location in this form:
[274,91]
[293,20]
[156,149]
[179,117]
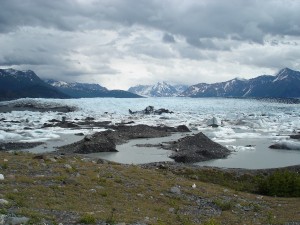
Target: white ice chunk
[8,136]
[240,148]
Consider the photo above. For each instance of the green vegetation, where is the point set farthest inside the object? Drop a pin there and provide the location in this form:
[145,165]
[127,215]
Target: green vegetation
[87,219]
[90,193]
[211,222]
[281,184]
[223,205]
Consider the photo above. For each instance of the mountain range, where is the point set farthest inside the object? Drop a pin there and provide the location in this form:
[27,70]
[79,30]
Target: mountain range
[85,90]
[285,84]
[161,89]
[21,84]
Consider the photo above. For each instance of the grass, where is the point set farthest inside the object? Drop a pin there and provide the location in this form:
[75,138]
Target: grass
[114,193]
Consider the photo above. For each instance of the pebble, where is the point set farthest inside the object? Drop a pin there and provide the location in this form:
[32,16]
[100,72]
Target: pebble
[194,186]
[67,166]
[52,160]
[17,220]
[171,210]
[3,202]
[175,190]
[1,176]
[2,217]
[93,190]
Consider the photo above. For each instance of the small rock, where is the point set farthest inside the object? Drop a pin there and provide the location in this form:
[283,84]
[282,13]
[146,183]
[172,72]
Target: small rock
[140,195]
[39,157]
[52,160]
[171,210]
[3,202]
[1,176]
[2,219]
[77,175]
[102,161]
[67,166]
[194,186]
[17,220]
[175,190]
[5,160]
[93,190]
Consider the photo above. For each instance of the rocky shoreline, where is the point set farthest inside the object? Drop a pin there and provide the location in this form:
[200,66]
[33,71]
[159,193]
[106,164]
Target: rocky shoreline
[189,149]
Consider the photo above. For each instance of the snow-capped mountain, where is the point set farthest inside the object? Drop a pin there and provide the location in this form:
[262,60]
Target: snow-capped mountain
[86,90]
[286,83]
[20,84]
[161,89]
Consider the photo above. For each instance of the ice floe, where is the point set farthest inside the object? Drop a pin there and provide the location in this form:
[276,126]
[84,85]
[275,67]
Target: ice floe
[237,118]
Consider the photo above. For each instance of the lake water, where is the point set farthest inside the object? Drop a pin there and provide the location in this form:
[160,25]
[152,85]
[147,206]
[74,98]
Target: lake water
[244,122]
[258,156]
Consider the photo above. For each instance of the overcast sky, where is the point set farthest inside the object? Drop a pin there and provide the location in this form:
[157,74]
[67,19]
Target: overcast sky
[121,43]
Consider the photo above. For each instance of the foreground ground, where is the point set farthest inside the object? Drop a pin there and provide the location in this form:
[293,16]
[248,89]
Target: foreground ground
[71,189]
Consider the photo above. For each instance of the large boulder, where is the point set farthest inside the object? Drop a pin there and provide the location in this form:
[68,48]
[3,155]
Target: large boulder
[196,148]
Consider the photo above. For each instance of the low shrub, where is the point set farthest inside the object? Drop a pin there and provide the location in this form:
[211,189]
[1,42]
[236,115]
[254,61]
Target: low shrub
[281,184]
[87,219]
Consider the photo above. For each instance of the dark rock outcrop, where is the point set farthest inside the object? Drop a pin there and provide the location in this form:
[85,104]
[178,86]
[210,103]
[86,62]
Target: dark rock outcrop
[149,110]
[295,136]
[196,148]
[106,141]
[7,146]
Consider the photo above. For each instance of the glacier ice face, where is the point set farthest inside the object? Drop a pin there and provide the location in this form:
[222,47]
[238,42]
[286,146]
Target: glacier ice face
[239,118]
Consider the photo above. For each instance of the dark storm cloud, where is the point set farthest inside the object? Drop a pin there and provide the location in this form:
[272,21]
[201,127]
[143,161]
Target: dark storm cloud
[239,19]
[168,38]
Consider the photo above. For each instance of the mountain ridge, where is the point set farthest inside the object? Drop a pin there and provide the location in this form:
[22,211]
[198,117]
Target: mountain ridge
[25,83]
[19,84]
[88,90]
[16,84]
[160,89]
[286,84]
